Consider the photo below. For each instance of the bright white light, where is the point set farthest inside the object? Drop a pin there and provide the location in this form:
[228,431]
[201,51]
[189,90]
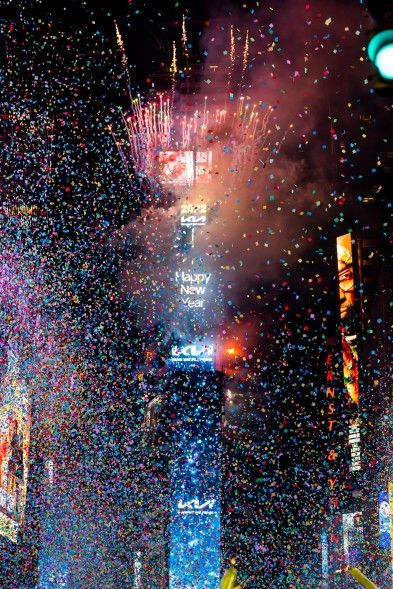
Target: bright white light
[384,61]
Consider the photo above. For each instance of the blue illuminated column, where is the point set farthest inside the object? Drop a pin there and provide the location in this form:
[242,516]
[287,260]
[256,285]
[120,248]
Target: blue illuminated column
[194,559]
[193,414]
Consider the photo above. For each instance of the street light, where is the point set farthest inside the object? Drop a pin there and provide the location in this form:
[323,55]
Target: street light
[380,51]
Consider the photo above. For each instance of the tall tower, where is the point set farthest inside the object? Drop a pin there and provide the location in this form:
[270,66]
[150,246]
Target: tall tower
[186,167]
[194,416]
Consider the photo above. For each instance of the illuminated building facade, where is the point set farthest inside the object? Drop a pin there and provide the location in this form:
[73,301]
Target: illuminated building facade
[181,547]
[334,459]
[195,510]
[18,476]
[358,417]
[184,421]
[378,437]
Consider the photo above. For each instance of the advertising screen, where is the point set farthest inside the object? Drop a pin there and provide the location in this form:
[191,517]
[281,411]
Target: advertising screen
[176,167]
[353,538]
[345,275]
[183,168]
[193,355]
[195,544]
[384,520]
[195,529]
[203,166]
[14,449]
[347,312]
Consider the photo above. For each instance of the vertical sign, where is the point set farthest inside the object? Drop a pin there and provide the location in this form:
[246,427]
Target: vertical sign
[325,560]
[194,555]
[14,448]
[384,520]
[349,343]
[195,518]
[390,491]
[353,538]
[333,457]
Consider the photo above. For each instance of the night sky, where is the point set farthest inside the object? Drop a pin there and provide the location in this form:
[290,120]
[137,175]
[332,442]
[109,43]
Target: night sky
[272,244]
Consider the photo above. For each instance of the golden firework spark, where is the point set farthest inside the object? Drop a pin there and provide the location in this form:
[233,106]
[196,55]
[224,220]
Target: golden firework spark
[184,37]
[245,55]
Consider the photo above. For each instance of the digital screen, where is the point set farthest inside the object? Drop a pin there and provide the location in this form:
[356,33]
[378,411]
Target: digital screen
[384,520]
[349,340]
[325,560]
[351,366]
[184,168]
[193,215]
[195,529]
[390,496]
[353,538]
[203,166]
[176,167]
[195,544]
[193,354]
[354,444]
[345,275]
[14,451]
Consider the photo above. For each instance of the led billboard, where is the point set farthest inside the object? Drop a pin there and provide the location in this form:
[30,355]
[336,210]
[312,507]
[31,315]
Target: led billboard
[176,167]
[193,354]
[349,343]
[345,275]
[384,520]
[349,338]
[195,544]
[353,538]
[195,530]
[14,451]
[185,167]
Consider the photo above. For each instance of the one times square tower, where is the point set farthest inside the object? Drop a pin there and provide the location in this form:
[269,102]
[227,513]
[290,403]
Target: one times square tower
[194,403]
[188,411]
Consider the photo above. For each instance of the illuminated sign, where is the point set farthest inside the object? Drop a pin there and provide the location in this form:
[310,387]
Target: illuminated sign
[352,538]
[183,168]
[193,215]
[354,444]
[195,515]
[325,560]
[137,570]
[195,506]
[351,366]
[384,520]
[176,167]
[346,288]
[345,275]
[14,449]
[194,559]
[193,353]
[390,493]
[192,287]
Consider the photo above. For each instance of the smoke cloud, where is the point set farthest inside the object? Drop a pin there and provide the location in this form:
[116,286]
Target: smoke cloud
[269,192]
